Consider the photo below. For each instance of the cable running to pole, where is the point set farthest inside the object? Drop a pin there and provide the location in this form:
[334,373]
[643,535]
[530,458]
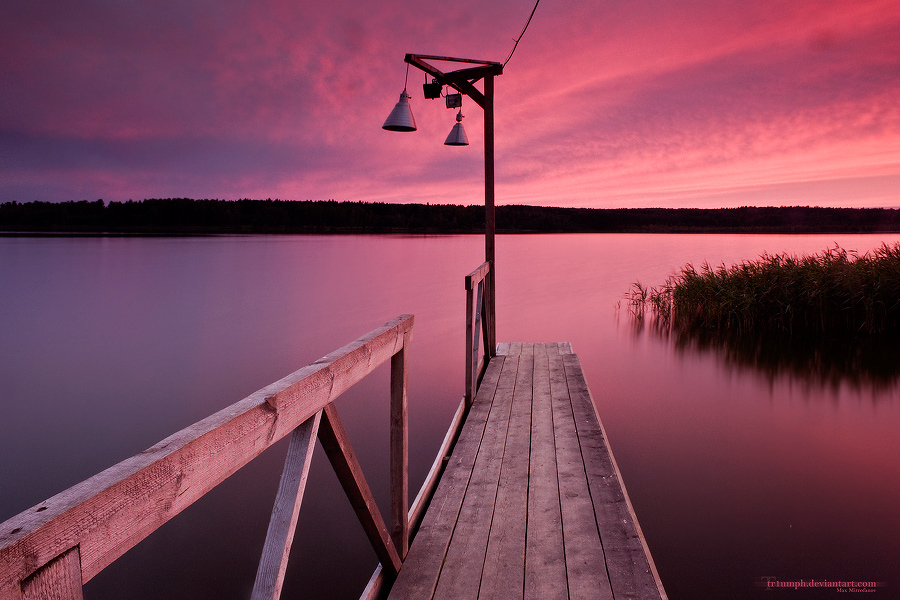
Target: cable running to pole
[522,34]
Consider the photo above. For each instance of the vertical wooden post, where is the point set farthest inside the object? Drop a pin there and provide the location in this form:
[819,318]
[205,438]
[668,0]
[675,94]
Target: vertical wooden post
[60,579]
[489,223]
[470,345]
[399,452]
[484,335]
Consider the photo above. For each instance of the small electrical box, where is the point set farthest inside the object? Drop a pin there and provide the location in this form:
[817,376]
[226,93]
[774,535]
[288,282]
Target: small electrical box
[432,90]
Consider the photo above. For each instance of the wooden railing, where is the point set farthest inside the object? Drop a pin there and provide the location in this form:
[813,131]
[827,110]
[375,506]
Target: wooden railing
[50,550]
[478,328]
[478,320]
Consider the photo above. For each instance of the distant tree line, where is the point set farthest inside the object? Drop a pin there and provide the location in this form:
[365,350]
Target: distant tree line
[184,216]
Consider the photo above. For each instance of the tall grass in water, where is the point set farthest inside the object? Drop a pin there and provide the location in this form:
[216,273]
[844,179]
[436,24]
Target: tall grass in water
[829,318]
[832,294]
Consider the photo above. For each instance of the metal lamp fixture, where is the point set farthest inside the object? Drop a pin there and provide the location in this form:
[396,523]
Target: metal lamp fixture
[462,82]
[401,117]
[457,135]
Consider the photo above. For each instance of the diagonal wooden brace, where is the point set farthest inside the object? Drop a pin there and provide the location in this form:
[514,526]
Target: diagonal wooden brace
[337,446]
[283,523]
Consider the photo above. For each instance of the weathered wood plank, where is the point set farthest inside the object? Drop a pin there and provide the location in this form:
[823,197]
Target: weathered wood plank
[421,569]
[337,446]
[503,573]
[477,275]
[58,580]
[376,586]
[484,544]
[486,326]
[630,565]
[466,553]
[550,348]
[283,523]
[503,348]
[490,310]
[545,561]
[399,453]
[585,560]
[474,310]
[111,512]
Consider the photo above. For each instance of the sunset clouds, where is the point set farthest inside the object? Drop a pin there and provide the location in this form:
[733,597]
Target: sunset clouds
[646,103]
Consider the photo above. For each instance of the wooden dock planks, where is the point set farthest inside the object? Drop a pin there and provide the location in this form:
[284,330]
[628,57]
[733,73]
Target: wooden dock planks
[545,559]
[531,504]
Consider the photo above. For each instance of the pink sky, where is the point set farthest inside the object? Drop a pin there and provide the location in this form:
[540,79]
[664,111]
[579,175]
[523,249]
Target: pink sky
[605,103]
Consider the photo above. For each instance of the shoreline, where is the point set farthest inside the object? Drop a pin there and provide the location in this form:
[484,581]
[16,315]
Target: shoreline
[188,217]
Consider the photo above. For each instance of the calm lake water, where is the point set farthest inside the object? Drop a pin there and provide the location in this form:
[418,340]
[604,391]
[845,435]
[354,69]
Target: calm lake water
[108,345]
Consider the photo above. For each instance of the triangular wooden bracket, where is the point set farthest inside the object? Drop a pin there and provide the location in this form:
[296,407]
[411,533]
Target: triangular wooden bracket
[462,80]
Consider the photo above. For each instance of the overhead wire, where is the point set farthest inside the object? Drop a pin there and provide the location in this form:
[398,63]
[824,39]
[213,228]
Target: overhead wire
[516,44]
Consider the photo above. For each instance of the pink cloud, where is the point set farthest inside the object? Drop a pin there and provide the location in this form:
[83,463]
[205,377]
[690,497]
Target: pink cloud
[616,103]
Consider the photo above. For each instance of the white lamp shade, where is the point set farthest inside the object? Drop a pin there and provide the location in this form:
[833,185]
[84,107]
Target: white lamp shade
[457,135]
[401,118]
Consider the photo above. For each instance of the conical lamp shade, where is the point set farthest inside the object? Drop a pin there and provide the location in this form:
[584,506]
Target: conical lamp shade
[401,118]
[457,135]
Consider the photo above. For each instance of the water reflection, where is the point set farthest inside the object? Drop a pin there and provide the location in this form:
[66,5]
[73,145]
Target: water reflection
[109,345]
[862,363]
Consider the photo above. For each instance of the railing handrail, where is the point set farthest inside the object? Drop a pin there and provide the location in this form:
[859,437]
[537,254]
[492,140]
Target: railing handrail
[71,537]
[476,276]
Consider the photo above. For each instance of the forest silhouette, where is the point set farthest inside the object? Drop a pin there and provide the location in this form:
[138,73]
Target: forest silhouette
[185,216]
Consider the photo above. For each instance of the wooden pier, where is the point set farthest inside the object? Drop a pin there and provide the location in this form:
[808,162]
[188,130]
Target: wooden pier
[524,499]
[531,503]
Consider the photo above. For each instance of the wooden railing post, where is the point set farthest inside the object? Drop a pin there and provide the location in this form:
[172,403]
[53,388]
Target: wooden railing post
[400,450]
[490,312]
[490,349]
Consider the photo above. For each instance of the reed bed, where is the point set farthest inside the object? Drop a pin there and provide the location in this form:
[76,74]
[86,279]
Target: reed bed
[835,294]
[828,319]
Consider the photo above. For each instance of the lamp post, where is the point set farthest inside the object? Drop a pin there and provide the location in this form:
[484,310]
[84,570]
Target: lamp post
[463,80]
